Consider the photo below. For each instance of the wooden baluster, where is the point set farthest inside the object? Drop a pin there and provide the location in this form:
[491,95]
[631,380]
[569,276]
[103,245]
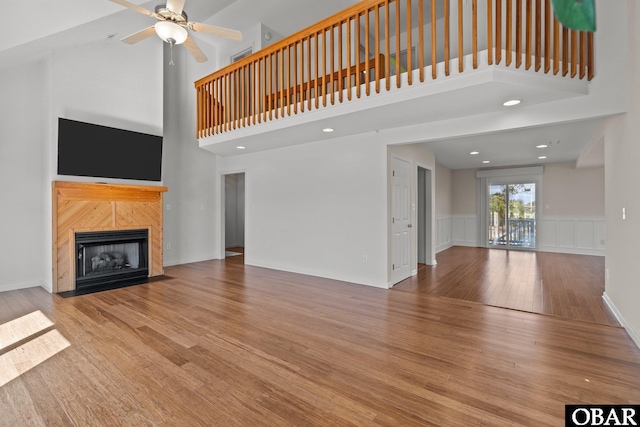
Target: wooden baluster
[240,100]
[421,39]
[242,90]
[591,55]
[518,33]
[348,79]
[460,38]
[223,101]
[270,89]
[409,45]
[489,31]
[474,32]
[215,107]
[434,46]
[260,89]
[255,82]
[498,31]
[340,77]
[282,72]
[332,67]
[357,55]
[302,93]
[583,54]
[574,53]
[227,104]
[291,74]
[398,69]
[529,31]
[295,79]
[377,49]
[277,92]
[556,46]
[208,108]
[316,85]
[309,50]
[565,51]
[236,100]
[446,37]
[509,31]
[547,36]
[387,46]
[538,34]
[324,67]
[367,65]
[198,108]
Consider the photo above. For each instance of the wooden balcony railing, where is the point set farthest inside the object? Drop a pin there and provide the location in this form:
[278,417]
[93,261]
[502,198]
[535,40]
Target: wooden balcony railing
[361,50]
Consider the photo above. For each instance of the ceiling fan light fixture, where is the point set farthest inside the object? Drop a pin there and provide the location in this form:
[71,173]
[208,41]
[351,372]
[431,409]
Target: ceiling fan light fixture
[168,30]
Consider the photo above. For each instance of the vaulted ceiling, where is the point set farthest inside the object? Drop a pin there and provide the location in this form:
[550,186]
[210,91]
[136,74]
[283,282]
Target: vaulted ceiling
[43,25]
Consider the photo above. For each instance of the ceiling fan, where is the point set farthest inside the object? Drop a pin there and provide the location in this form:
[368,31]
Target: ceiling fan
[172,27]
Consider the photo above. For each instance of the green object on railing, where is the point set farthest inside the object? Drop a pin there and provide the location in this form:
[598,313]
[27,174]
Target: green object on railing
[576,14]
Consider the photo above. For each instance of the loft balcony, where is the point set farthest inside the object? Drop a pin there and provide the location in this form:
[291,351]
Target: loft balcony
[392,63]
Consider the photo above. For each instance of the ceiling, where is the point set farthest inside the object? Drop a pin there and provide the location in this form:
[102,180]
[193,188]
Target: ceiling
[75,22]
[516,147]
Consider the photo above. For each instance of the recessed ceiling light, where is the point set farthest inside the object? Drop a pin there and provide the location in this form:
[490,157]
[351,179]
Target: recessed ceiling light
[486,161]
[542,146]
[512,102]
[473,153]
[542,157]
[240,147]
[327,130]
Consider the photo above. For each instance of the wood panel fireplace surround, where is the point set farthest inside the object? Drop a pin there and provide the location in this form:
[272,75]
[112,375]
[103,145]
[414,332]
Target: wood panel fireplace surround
[105,235]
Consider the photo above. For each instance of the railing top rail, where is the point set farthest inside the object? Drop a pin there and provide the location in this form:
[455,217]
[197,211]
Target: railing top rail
[329,22]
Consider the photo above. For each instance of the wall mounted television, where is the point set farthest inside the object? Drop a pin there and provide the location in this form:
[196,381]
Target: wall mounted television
[86,149]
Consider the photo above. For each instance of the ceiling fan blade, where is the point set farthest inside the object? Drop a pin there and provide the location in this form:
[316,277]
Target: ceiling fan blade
[132,6]
[194,50]
[175,6]
[140,35]
[216,31]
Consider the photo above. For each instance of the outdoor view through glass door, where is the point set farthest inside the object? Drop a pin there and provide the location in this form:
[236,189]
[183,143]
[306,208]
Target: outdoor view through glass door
[512,215]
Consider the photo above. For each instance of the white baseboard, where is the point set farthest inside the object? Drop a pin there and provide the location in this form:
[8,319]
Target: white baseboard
[15,286]
[444,246]
[623,322]
[574,251]
[189,260]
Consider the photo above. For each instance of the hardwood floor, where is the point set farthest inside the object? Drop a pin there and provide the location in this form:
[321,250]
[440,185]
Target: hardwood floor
[556,284]
[220,343]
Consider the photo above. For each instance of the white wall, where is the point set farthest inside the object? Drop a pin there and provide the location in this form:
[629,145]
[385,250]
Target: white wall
[318,208]
[108,83]
[622,156]
[190,232]
[24,107]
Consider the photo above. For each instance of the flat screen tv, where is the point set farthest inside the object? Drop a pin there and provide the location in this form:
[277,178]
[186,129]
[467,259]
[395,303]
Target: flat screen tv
[86,149]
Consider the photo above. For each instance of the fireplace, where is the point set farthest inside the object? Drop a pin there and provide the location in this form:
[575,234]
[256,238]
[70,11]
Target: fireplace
[111,259]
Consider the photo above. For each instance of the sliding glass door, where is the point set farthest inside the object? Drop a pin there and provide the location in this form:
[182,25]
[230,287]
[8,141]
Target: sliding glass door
[512,215]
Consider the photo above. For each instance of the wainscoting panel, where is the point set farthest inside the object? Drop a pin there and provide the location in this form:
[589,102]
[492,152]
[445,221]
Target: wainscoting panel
[443,233]
[456,230]
[574,235]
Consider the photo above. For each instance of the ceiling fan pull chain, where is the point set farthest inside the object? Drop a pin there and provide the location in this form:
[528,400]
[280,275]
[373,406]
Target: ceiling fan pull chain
[171,53]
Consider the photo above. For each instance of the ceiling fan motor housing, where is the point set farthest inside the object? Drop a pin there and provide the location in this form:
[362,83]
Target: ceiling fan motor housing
[162,11]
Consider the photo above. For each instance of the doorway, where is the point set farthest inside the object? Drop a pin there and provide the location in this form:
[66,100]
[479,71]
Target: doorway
[425,217]
[512,215]
[234,215]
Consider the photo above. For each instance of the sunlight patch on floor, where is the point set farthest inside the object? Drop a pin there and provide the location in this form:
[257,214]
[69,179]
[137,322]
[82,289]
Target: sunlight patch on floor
[19,360]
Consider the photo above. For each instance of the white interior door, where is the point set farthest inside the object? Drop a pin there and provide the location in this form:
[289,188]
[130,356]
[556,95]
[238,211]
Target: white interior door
[401,226]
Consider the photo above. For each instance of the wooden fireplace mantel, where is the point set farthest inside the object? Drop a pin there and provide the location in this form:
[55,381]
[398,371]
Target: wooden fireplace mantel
[79,207]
